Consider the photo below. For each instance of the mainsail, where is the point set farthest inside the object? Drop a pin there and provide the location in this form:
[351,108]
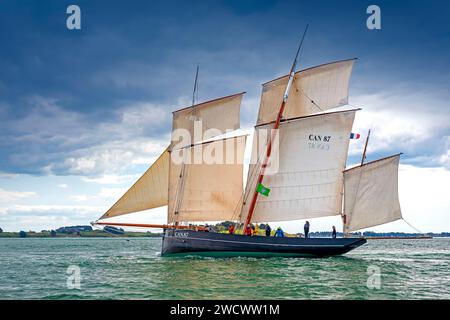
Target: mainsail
[311,156]
[371,194]
[315,89]
[212,182]
[148,192]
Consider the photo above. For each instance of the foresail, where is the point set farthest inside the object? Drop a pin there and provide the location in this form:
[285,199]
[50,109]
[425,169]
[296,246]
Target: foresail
[313,90]
[212,118]
[371,194]
[210,186]
[305,174]
[148,192]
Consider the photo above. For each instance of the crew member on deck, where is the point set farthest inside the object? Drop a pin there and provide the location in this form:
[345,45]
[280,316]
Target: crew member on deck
[279,233]
[253,228]
[333,234]
[231,229]
[248,230]
[306,228]
[268,230]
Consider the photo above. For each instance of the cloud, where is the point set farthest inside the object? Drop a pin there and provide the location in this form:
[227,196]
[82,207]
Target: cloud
[40,217]
[63,186]
[104,194]
[51,140]
[417,124]
[7,196]
[111,178]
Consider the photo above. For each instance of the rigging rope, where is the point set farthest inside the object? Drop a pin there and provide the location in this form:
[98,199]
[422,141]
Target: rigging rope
[311,100]
[109,232]
[409,224]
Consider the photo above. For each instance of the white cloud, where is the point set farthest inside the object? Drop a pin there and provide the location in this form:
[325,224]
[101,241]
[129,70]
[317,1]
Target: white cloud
[74,144]
[104,194]
[7,175]
[110,158]
[63,186]
[79,197]
[7,196]
[40,217]
[110,179]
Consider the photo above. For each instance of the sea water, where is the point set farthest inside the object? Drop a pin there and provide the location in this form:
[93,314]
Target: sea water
[120,268]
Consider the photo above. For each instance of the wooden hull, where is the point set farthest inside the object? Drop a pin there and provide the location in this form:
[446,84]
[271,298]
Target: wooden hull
[218,244]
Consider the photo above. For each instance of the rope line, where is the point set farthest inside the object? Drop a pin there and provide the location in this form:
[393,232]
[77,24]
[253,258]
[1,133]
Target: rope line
[409,224]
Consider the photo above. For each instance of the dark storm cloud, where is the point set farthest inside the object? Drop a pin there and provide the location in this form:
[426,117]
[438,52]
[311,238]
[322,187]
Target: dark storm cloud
[89,101]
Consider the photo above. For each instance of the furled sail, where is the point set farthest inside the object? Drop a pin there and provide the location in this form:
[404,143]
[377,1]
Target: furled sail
[148,192]
[210,186]
[371,194]
[313,90]
[305,174]
[212,118]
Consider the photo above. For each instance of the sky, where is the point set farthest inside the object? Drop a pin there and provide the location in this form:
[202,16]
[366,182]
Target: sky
[83,113]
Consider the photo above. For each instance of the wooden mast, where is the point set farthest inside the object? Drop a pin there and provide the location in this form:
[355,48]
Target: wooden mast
[365,148]
[195,87]
[272,136]
[180,186]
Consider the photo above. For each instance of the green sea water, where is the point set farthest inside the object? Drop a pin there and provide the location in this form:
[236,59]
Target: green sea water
[118,268]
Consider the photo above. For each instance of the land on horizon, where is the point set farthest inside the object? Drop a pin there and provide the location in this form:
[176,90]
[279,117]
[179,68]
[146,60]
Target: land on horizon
[88,232]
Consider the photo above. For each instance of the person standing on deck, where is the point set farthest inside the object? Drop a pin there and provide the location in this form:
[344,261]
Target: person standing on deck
[279,233]
[231,229]
[268,230]
[306,228]
[248,230]
[333,234]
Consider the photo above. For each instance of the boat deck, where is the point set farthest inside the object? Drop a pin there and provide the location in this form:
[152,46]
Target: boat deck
[209,243]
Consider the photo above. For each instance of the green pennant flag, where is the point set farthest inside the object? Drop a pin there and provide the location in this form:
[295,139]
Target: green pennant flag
[263,190]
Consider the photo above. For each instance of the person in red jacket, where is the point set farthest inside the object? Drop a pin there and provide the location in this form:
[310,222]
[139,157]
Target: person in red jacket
[231,229]
[248,230]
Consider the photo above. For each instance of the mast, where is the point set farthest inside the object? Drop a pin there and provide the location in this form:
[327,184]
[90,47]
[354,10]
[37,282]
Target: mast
[195,87]
[344,217]
[275,127]
[365,148]
[180,186]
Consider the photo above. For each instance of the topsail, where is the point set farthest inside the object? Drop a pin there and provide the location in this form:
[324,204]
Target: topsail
[208,119]
[313,90]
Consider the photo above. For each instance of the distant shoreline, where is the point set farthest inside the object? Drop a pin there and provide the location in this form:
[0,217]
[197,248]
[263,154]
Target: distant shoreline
[81,234]
[103,234]
[401,237]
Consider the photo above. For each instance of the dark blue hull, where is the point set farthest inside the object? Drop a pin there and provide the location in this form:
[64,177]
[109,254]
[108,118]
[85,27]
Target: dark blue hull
[209,243]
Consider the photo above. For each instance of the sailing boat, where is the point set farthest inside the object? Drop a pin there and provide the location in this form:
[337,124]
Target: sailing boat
[300,166]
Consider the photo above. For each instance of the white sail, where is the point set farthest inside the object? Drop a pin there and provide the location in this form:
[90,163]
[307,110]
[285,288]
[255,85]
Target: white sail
[311,156]
[219,115]
[313,90]
[148,192]
[371,194]
[210,186]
